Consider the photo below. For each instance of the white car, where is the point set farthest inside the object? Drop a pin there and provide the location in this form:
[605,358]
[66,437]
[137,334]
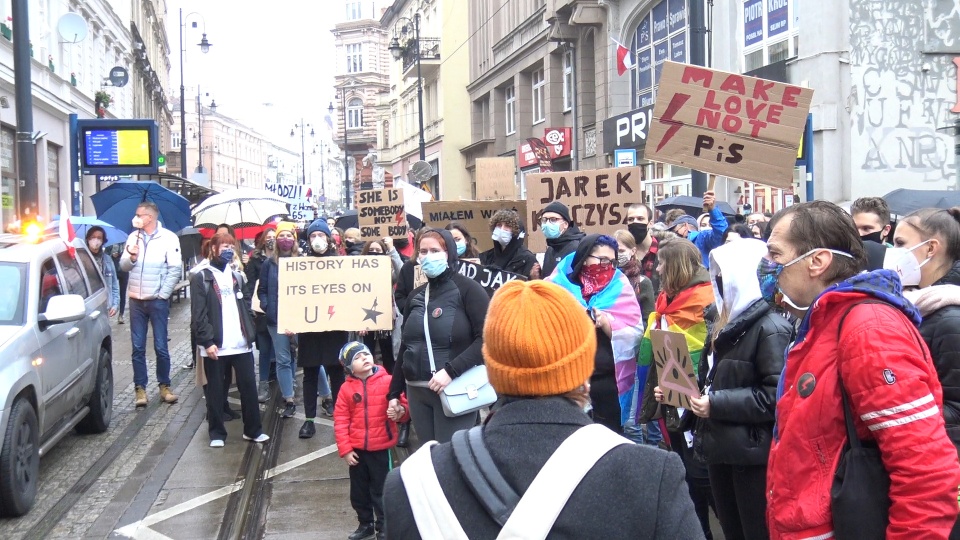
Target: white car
[56,372]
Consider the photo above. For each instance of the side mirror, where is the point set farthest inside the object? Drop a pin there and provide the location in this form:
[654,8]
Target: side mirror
[62,308]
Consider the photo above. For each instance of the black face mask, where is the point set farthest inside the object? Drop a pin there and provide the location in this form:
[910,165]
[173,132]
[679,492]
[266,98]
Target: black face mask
[873,237]
[401,242]
[639,231]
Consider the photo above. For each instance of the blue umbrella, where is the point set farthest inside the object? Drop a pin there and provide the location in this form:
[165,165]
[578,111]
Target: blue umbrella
[82,224]
[117,205]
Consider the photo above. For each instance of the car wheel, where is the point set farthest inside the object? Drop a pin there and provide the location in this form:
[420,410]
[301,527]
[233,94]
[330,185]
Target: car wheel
[101,401]
[19,461]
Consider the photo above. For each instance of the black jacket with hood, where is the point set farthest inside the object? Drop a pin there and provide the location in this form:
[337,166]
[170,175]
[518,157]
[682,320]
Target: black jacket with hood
[513,258]
[457,311]
[748,356]
[560,247]
[939,305]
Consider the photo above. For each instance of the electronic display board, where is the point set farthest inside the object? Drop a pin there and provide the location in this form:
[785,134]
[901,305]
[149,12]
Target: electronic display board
[118,147]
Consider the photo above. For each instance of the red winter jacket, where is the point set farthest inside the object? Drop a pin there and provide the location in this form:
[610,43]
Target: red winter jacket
[360,418]
[896,400]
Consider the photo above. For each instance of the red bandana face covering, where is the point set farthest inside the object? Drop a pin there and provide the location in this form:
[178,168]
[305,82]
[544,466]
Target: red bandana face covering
[595,278]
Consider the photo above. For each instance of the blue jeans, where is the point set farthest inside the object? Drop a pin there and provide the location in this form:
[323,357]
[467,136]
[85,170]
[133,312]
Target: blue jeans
[323,385]
[156,312]
[265,346]
[281,348]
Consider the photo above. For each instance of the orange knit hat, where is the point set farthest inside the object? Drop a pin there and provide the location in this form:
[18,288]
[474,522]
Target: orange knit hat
[537,340]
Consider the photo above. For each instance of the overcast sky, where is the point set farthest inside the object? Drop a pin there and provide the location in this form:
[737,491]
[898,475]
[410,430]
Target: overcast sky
[271,61]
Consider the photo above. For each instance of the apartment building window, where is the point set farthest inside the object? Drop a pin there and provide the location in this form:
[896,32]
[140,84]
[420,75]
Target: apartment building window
[567,80]
[353,11]
[354,58]
[539,100]
[770,33]
[175,139]
[354,113]
[510,97]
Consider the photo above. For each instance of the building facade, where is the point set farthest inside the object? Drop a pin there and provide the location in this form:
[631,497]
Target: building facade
[362,67]
[537,67]
[71,63]
[444,74]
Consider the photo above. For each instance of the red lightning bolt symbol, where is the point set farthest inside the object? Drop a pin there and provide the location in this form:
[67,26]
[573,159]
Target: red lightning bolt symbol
[667,118]
[330,312]
[399,216]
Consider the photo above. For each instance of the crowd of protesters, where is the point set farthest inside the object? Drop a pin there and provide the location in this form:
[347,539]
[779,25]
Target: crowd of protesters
[802,328]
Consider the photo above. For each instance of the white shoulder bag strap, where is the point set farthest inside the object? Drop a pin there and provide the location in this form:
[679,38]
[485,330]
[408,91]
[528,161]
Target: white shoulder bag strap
[431,510]
[543,501]
[426,329]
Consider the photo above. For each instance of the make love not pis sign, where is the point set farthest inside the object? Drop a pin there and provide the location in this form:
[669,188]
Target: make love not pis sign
[728,124]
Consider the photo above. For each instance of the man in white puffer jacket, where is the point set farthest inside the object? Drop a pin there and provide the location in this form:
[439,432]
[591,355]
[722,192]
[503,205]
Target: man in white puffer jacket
[152,256]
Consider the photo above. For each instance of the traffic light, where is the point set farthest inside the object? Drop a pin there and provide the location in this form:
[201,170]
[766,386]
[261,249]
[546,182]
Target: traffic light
[161,160]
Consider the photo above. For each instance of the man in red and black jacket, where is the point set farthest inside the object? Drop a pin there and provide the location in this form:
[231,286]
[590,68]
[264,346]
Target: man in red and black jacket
[813,270]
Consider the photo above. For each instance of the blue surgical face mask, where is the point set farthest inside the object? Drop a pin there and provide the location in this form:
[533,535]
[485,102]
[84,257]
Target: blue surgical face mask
[461,248]
[551,230]
[226,255]
[434,264]
[768,273]
[502,237]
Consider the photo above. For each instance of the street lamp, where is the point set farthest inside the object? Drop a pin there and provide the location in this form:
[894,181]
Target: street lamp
[346,151]
[199,135]
[303,152]
[323,180]
[204,48]
[397,51]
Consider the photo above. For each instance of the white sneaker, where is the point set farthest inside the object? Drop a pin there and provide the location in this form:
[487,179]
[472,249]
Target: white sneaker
[216,443]
[263,437]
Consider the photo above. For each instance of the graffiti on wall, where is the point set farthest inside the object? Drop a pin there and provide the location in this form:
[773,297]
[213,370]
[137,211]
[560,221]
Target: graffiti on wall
[900,96]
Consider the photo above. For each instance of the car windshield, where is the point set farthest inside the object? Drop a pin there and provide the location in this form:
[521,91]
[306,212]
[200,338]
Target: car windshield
[13,298]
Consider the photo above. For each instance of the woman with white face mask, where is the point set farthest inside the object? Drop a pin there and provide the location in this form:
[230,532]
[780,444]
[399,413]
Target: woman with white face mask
[926,254]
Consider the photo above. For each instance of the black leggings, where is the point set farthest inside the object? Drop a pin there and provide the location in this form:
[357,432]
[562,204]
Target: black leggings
[372,339]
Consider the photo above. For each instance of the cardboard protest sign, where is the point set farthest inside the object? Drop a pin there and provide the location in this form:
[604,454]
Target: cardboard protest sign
[490,279]
[474,215]
[320,294]
[496,178]
[675,368]
[297,195]
[597,199]
[728,124]
[412,197]
[380,213]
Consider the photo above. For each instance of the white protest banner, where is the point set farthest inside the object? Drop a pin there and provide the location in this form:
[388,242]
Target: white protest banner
[297,196]
[473,215]
[597,199]
[413,197]
[380,213]
[496,178]
[728,124]
[320,294]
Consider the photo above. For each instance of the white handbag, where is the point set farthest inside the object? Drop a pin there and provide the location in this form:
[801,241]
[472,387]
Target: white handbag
[469,392]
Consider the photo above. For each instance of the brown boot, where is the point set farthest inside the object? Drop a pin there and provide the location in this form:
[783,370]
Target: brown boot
[141,400]
[166,395]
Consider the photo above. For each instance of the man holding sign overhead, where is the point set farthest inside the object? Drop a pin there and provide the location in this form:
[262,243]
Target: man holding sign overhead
[705,240]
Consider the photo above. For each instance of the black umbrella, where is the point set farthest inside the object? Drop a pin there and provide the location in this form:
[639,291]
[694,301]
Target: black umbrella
[692,205]
[190,242]
[905,201]
[347,220]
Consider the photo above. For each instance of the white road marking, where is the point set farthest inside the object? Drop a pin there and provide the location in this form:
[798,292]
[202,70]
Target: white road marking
[140,530]
[270,473]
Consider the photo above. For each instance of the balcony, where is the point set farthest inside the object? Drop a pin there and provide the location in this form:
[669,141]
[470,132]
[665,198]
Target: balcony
[429,57]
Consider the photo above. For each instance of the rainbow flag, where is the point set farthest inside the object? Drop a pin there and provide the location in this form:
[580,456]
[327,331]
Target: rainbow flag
[685,315]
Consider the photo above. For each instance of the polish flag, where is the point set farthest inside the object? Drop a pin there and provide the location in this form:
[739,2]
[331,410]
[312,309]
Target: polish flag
[624,62]
[67,234]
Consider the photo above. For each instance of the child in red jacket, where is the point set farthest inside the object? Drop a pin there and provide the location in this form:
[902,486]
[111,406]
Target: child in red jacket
[365,434]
